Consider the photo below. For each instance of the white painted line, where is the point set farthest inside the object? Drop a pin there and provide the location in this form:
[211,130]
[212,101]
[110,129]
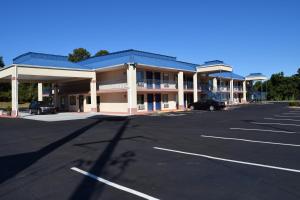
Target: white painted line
[254,141]
[229,160]
[280,124]
[294,120]
[293,113]
[263,130]
[120,187]
[285,116]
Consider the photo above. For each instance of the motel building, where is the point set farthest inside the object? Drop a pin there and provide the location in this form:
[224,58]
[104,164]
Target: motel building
[126,82]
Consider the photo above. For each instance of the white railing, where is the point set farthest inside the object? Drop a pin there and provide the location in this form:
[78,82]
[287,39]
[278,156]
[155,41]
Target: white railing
[238,88]
[152,84]
[223,89]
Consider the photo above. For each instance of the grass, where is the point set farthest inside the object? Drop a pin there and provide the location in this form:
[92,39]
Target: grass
[5,105]
[294,104]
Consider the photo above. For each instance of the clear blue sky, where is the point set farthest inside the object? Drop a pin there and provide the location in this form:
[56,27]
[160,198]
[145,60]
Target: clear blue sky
[252,36]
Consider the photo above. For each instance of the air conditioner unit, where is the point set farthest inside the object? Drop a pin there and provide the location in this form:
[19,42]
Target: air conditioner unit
[166,85]
[141,107]
[140,84]
[166,105]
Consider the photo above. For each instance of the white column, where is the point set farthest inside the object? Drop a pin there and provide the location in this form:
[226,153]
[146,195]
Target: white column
[131,91]
[40,91]
[195,87]
[180,91]
[93,91]
[14,93]
[231,91]
[215,85]
[244,92]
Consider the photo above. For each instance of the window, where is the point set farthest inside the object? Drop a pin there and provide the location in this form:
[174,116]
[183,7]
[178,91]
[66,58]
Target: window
[72,100]
[88,100]
[98,99]
[166,78]
[140,99]
[140,76]
[165,98]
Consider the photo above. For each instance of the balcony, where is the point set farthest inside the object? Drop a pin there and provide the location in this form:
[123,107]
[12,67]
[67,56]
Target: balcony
[223,89]
[237,88]
[156,84]
[188,85]
[204,87]
[108,85]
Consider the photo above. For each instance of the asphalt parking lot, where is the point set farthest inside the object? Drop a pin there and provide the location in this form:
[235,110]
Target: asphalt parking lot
[251,152]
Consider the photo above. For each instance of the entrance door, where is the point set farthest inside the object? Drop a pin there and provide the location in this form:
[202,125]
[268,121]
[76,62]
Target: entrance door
[98,103]
[81,98]
[150,102]
[158,101]
[157,80]
[149,77]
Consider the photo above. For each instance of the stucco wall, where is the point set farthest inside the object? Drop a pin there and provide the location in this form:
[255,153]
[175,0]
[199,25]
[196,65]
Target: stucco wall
[114,102]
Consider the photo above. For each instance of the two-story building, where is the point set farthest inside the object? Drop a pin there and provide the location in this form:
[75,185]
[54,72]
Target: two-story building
[125,82]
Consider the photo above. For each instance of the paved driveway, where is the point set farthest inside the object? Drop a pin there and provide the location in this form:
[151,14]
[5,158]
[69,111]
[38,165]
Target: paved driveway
[251,152]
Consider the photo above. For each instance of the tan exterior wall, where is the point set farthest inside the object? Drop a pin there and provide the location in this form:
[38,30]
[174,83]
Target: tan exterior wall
[114,102]
[116,79]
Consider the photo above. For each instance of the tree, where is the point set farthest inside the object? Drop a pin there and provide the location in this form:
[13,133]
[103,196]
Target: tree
[101,53]
[79,54]
[1,62]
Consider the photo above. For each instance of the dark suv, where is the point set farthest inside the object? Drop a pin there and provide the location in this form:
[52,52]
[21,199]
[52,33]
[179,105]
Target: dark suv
[40,107]
[207,104]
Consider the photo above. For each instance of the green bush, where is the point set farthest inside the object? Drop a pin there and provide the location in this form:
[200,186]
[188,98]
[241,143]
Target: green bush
[294,103]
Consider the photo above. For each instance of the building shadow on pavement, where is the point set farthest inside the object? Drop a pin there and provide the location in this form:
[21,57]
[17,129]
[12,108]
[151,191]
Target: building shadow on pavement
[87,188]
[13,164]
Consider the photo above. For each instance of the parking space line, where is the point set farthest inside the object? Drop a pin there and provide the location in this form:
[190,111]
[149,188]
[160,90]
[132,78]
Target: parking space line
[270,118]
[293,113]
[263,130]
[285,116]
[270,123]
[230,160]
[254,141]
[120,187]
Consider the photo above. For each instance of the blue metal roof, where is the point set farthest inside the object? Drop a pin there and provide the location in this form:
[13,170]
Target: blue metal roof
[112,59]
[48,60]
[228,75]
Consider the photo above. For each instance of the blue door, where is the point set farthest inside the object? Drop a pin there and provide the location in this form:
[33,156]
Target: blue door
[149,77]
[157,80]
[150,102]
[158,101]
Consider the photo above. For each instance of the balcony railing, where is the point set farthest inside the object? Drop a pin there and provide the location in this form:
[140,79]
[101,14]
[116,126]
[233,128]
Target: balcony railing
[238,88]
[156,84]
[188,85]
[112,85]
[223,89]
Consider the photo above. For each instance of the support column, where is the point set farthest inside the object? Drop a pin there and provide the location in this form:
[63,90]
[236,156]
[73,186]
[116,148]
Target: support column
[14,93]
[244,100]
[195,87]
[231,91]
[55,94]
[131,91]
[180,91]
[215,85]
[93,91]
[40,91]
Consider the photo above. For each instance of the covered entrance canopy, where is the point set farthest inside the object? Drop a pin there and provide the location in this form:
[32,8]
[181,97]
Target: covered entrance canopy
[41,74]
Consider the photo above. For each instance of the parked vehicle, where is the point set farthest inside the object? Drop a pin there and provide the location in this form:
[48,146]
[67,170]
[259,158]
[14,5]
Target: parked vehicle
[207,104]
[40,107]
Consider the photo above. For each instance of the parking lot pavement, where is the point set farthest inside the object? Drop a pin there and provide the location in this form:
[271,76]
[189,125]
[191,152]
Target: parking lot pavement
[195,155]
